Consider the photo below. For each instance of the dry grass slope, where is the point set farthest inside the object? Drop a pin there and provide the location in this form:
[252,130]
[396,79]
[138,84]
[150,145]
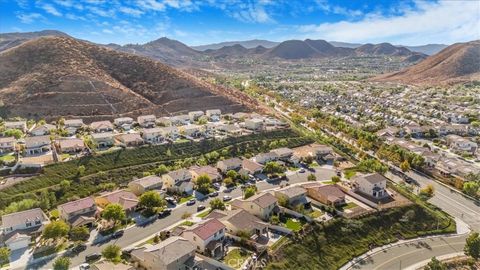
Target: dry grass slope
[60,76]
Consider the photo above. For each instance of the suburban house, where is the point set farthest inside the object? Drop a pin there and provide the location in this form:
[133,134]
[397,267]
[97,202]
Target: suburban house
[229,164]
[17,241]
[164,121]
[316,151]
[254,124]
[41,130]
[251,167]
[106,265]
[330,195]
[214,115]
[7,144]
[125,198]
[174,253]
[124,123]
[152,135]
[37,145]
[147,121]
[21,125]
[294,196]
[103,140]
[263,158]
[232,130]
[195,115]
[28,220]
[191,130]
[207,236]
[261,205]
[79,213]
[139,186]
[415,131]
[461,144]
[72,125]
[70,145]
[169,132]
[373,185]
[208,170]
[387,132]
[284,154]
[178,181]
[101,126]
[130,139]
[180,120]
[239,220]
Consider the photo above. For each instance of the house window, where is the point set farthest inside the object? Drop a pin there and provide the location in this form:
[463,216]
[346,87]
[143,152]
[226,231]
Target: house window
[28,224]
[37,222]
[194,238]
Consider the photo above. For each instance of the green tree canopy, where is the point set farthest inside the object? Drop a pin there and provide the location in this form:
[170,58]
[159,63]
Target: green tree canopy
[114,212]
[472,246]
[62,263]
[204,183]
[112,253]
[217,204]
[55,230]
[151,199]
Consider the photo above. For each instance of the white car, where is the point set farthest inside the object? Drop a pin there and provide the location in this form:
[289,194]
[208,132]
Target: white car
[227,198]
[84,266]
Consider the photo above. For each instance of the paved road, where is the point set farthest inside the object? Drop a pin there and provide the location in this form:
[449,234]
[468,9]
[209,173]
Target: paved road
[136,234]
[409,254]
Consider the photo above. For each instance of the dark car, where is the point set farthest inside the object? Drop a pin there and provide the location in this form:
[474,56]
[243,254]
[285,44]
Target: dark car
[117,234]
[164,213]
[191,202]
[200,208]
[79,248]
[171,200]
[213,194]
[93,257]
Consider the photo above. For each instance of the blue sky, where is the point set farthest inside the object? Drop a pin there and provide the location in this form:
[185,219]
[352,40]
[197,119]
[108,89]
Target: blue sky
[196,22]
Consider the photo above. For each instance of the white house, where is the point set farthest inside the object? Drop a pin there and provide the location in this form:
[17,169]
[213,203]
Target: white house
[125,123]
[373,185]
[7,144]
[37,144]
[178,181]
[101,126]
[24,220]
[254,124]
[261,205]
[195,115]
[147,121]
[21,125]
[214,115]
[42,130]
[207,236]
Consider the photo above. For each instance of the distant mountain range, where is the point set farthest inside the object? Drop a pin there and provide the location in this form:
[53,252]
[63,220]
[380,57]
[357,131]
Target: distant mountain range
[428,49]
[249,44]
[61,76]
[455,64]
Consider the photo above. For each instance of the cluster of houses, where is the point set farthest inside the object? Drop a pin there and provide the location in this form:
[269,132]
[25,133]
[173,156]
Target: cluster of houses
[126,132]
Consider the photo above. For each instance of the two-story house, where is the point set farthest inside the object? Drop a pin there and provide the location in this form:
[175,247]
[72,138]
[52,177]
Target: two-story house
[147,121]
[207,236]
[21,125]
[373,185]
[195,115]
[125,198]
[17,228]
[293,196]
[7,144]
[79,212]
[72,125]
[262,205]
[139,186]
[103,140]
[229,164]
[41,130]
[178,181]
[214,115]
[70,145]
[124,123]
[101,126]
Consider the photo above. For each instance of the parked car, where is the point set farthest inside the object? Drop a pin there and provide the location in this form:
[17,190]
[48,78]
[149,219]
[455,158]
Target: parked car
[84,266]
[216,186]
[79,248]
[213,194]
[171,200]
[164,213]
[93,257]
[227,198]
[118,234]
[200,208]
[230,189]
[301,170]
[191,202]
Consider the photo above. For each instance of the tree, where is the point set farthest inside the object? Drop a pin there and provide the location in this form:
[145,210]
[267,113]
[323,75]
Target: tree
[435,264]
[114,212]
[65,184]
[471,188]
[13,132]
[273,167]
[81,170]
[275,220]
[112,253]
[427,191]
[232,174]
[217,204]
[228,181]
[80,233]
[335,179]
[204,183]
[61,263]
[151,199]
[472,246]
[4,255]
[311,177]
[55,230]
[405,166]
[162,169]
[249,192]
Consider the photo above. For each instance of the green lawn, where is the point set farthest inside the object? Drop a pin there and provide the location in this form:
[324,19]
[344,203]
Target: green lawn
[315,214]
[236,258]
[203,214]
[185,199]
[349,173]
[8,158]
[349,205]
[328,182]
[293,225]
[64,156]
[187,223]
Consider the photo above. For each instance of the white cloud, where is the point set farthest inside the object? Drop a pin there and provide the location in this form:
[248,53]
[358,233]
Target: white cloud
[328,8]
[74,17]
[247,11]
[107,31]
[51,10]
[442,22]
[131,11]
[30,17]
[101,12]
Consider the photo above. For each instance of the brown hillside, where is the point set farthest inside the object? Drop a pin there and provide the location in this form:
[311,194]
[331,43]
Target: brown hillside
[455,64]
[59,76]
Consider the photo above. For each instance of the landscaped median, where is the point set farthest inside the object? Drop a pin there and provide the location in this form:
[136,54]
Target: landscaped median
[333,244]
